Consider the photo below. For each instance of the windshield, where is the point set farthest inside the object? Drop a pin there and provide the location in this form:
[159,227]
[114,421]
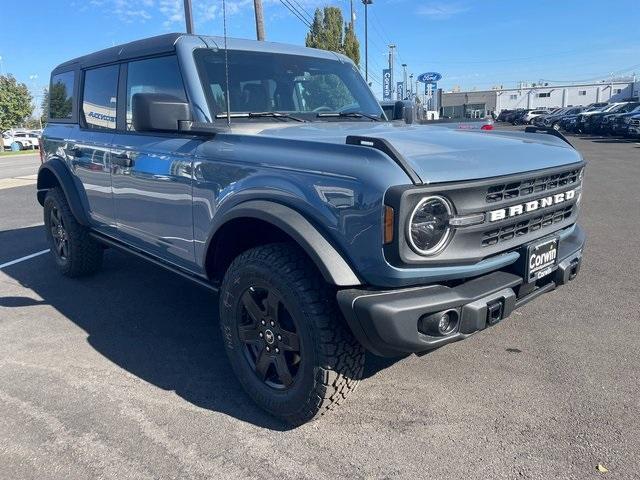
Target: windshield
[629,107]
[303,87]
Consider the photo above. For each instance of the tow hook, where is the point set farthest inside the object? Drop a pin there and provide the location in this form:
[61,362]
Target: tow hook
[495,311]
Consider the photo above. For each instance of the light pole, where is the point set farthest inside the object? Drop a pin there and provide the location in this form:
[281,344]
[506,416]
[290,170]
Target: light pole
[366,39]
[410,86]
[188,16]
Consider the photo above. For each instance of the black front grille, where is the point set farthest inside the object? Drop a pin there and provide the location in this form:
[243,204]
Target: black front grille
[520,229]
[508,191]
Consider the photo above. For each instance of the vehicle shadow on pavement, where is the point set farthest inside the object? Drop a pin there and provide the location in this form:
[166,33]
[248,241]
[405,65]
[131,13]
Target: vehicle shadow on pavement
[19,242]
[155,325]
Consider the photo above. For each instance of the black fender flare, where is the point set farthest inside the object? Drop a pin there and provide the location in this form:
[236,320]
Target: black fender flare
[332,265]
[59,170]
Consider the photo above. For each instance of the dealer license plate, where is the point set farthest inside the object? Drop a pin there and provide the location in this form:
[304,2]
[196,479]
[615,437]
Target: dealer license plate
[541,259]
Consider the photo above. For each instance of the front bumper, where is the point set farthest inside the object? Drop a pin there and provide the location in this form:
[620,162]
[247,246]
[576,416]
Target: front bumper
[387,323]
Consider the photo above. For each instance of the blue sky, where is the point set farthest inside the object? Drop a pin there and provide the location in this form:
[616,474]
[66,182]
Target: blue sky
[472,43]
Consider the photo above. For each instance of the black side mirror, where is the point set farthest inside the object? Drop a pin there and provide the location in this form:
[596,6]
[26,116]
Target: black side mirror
[158,112]
[404,110]
[398,110]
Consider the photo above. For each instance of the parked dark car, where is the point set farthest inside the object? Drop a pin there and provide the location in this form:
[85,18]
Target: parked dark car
[519,118]
[599,123]
[583,124]
[553,120]
[510,117]
[325,229]
[614,124]
[633,127]
[570,122]
[502,117]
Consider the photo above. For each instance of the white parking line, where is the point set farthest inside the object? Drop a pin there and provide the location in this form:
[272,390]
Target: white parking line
[28,257]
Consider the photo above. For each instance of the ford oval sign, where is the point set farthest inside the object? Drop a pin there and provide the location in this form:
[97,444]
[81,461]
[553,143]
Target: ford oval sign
[429,77]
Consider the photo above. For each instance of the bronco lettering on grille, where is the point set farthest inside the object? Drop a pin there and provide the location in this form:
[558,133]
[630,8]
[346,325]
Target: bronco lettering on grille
[515,210]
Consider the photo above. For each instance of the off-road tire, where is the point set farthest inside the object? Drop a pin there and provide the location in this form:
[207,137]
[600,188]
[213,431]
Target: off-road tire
[84,254]
[332,359]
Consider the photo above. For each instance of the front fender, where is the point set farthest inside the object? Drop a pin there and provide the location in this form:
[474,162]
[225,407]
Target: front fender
[329,261]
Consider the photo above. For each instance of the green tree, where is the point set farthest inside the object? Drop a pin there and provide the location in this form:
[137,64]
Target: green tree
[44,106]
[15,102]
[351,44]
[329,32]
[59,101]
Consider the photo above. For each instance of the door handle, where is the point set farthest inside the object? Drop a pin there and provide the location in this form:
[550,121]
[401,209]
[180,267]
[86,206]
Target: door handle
[122,160]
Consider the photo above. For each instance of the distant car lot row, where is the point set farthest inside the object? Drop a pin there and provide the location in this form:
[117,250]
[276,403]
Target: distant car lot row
[615,118]
[21,139]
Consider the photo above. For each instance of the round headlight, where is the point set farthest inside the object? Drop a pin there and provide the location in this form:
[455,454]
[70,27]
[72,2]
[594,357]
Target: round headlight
[429,229]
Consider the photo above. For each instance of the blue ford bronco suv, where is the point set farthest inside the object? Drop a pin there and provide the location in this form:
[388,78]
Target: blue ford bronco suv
[270,174]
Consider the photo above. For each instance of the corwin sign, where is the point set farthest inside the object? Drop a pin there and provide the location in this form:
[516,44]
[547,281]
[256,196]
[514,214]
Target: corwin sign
[386,84]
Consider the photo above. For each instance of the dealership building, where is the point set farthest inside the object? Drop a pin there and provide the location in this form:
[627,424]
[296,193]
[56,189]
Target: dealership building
[480,103]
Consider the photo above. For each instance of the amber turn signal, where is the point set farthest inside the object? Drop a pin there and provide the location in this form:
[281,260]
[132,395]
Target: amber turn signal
[388,224]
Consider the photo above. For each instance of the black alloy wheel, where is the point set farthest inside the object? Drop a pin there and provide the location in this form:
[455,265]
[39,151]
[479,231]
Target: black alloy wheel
[71,245]
[59,234]
[269,334]
[284,334]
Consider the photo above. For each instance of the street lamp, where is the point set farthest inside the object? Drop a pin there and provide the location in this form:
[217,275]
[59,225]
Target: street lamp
[366,39]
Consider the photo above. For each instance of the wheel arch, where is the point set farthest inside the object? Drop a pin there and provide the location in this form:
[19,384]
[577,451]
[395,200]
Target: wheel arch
[259,222]
[53,173]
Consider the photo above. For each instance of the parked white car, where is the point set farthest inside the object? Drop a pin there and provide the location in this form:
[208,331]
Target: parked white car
[527,117]
[27,138]
[8,140]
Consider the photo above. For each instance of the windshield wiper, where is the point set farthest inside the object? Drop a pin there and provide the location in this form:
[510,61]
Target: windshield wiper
[350,114]
[278,115]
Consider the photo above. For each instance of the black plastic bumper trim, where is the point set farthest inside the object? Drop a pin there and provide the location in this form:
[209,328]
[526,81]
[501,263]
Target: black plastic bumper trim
[386,322]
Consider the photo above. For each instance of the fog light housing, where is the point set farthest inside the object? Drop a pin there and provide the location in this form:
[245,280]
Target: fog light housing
[440,324]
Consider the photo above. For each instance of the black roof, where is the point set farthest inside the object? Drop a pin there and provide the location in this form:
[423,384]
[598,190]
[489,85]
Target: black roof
[138,48]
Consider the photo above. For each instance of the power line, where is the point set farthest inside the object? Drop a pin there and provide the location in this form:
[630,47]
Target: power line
[295,12]
[598,77]
[303,10]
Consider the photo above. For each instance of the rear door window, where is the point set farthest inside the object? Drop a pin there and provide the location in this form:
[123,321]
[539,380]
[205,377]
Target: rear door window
[99,98]
[61,96]
[154,75]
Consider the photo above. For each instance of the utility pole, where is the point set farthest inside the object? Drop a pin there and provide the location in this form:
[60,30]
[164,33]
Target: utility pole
[257,5]
[391,59]
[404,80]
[366,39]
[188,16]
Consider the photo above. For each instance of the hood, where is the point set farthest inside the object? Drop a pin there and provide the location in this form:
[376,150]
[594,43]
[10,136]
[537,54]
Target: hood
[440,154]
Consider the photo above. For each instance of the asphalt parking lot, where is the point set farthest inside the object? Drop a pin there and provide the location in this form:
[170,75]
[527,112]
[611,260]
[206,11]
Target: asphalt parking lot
[123,375]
